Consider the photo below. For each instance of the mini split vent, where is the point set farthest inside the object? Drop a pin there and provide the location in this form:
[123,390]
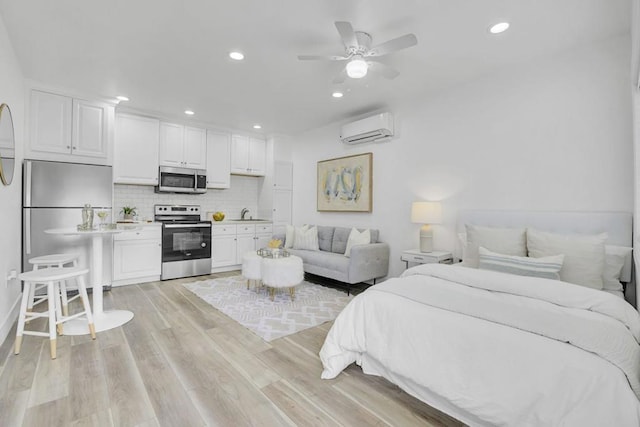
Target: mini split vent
[376,128]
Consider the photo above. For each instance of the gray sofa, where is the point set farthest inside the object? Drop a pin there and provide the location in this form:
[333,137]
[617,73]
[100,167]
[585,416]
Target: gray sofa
[367,262]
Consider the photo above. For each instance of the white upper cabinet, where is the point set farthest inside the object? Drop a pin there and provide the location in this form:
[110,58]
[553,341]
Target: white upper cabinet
[89,135]
[171,144]
[182,146]
[248,156]
[61,126]
[195,148]
[135,154]
[218,159]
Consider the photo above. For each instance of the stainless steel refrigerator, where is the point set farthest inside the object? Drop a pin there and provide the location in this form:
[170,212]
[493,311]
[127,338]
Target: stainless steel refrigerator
[53,196]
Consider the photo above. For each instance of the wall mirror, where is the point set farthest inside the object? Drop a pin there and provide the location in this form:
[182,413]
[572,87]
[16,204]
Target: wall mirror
[7,145]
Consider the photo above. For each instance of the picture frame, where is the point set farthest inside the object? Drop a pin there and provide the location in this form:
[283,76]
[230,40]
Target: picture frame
[345,184]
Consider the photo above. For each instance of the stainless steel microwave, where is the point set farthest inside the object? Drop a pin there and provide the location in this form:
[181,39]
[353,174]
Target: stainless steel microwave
[181,180]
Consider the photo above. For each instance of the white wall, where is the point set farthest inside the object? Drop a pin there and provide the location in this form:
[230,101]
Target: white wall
[551,135]
[11,93]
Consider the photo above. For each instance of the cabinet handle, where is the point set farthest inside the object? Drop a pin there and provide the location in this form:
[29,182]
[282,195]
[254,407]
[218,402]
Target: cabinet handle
[68,146]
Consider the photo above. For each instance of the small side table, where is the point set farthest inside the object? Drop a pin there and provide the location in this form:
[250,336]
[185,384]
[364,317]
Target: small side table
[417,257]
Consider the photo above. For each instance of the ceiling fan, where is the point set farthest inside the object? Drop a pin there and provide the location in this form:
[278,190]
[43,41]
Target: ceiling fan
[361,55]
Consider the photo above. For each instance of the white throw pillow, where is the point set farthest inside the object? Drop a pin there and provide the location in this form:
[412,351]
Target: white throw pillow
[615,257]
[545,267]
[583,255]
[507,241]
[290,235]
[357,238]
[306,238]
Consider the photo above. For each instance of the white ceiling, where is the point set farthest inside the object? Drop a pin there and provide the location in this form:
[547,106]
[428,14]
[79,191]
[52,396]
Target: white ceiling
[169,55]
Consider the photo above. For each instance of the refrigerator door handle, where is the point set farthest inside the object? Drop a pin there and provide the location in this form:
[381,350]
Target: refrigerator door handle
[27,231]
[27,184]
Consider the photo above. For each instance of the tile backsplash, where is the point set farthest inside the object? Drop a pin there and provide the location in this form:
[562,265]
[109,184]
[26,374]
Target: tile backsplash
[242,194]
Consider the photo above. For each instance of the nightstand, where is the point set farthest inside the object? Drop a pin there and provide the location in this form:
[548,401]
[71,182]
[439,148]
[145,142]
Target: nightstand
[417,257]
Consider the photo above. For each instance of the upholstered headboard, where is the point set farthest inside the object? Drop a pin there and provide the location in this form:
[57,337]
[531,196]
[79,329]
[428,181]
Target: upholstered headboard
[619,225]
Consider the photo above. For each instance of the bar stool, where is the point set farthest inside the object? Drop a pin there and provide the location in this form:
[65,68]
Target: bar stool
[51,277]
[48,261]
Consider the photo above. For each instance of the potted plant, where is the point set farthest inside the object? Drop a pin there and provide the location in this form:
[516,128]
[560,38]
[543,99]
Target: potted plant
[128,212]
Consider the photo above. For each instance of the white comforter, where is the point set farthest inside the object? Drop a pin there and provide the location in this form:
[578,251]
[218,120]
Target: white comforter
[496,349]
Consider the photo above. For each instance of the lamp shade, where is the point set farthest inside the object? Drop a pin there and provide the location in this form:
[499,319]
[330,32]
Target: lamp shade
[426,213]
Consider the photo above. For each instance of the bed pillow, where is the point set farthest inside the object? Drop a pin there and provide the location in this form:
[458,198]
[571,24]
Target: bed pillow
[615,257]
[507,241]
[306,239]
[290,235]
[583,255]
[357,238]
[546,267]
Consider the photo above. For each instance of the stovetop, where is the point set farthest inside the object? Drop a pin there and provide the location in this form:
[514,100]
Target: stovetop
[178,214]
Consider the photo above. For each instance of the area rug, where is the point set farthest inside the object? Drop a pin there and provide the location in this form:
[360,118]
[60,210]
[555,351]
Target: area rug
[253,309]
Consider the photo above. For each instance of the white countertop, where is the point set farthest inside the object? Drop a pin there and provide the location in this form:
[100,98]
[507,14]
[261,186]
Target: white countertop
[239,221]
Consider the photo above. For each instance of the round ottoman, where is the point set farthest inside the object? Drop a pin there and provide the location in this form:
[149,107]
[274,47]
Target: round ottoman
[282,273]
[251,268]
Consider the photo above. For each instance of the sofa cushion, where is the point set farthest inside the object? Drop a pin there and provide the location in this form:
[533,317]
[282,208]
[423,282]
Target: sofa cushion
[324,260]
[325,237]
[341,236]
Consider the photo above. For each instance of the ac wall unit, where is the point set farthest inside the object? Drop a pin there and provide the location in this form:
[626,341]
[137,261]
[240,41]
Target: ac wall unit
[372,129]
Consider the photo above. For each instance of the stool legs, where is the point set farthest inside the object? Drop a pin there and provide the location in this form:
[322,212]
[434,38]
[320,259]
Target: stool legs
[21,319]
[87,307]
[51,292]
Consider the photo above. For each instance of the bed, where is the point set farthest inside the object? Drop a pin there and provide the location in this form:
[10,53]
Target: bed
[490,348]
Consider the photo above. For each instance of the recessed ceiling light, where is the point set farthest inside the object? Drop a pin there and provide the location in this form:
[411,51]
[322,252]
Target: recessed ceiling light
[122,98]
[238,56]
[499,28]
[256,126]
[189,112]
[337,94]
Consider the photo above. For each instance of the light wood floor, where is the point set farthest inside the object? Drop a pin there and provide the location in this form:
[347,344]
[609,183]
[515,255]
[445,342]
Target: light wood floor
[181,362]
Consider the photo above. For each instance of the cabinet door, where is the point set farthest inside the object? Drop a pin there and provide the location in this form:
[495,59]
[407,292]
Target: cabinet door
[136,258]
[171,144]
[262,240]
[218,159]
[283,176]
[223,251]
[89,135]
[50,123]
[246,243]
[282,202]
[195,148]
[135,154]
[240,154]
[257,156]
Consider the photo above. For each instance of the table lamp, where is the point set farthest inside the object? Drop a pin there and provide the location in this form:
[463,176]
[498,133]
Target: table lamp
[426,213]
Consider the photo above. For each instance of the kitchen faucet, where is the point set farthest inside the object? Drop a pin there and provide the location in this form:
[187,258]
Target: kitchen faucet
[243,212]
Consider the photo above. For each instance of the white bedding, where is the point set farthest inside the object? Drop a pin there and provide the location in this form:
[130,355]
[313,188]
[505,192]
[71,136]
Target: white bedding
[493,349]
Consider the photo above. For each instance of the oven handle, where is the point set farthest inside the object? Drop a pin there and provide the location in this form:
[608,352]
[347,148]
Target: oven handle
[186,225]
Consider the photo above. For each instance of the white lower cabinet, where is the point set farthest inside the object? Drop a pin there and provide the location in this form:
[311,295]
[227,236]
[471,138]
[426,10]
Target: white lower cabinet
[137,255]
[229,242]
[223,245]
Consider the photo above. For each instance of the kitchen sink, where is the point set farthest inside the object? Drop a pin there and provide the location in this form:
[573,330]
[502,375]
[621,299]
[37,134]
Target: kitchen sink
[251,220]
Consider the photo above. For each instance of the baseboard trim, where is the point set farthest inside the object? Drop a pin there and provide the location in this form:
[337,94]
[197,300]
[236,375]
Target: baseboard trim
[8,321]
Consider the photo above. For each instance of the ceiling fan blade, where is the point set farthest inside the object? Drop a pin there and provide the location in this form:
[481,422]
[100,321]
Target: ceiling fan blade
[393,45]
[322,58]
[347,34]
[383,69]
[340,78]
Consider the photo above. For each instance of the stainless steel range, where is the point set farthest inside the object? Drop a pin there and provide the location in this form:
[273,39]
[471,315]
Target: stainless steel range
[186,241]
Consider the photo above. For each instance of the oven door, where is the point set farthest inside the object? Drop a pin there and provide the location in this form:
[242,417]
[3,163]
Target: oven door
[182,242]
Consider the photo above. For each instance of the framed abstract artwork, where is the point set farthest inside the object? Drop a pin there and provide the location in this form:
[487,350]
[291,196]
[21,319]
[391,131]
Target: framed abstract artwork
[345,184]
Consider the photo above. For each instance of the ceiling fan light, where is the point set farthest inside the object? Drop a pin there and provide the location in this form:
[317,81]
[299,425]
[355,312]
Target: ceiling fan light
[357,68]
